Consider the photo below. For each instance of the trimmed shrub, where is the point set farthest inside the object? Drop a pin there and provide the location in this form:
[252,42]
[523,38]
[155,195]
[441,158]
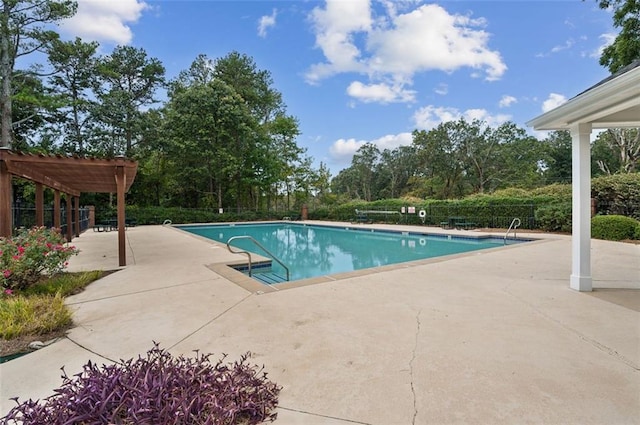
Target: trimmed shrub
[554,217]
[614,227]
[617,194]
[157,389]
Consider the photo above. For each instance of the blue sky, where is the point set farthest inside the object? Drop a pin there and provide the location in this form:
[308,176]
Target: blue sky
[358,71]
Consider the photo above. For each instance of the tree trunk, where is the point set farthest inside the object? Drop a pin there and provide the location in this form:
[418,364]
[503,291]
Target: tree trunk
[6,69]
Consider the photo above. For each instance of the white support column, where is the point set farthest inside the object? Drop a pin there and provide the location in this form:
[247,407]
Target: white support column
[581,194]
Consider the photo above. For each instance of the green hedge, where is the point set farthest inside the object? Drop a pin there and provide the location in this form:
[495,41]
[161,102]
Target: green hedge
[618,194]
[614,227]
[547,208]
[157,215]
[483,211]
[554,217]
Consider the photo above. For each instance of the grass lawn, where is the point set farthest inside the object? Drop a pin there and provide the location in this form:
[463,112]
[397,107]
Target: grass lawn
[39,312]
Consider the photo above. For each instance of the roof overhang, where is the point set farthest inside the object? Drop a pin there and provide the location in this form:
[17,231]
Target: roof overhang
[70,174]
[614,103]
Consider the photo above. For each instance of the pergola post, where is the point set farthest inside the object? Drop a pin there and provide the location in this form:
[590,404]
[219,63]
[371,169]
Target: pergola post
[121,179]
[39,204]
[69,211]
[6,215]
[581,208]
[76,209]
[56,209]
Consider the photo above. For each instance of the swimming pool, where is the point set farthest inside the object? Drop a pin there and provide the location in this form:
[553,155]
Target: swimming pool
[314,250]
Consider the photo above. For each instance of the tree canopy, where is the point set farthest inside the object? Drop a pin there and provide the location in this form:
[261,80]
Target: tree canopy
[219,134]
[23,30]
[625,49]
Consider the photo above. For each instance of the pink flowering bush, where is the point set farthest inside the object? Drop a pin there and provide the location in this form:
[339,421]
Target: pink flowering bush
[35,252]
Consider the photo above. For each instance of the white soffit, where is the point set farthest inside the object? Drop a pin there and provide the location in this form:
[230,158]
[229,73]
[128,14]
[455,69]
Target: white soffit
[610,104]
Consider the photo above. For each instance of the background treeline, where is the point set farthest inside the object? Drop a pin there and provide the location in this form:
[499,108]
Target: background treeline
[547,208]
[222,138]
[461,158]
[219,136]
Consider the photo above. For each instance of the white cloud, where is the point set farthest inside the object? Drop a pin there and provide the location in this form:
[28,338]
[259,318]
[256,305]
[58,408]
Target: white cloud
[442,89]
[335,26]
[553,101]
[607,40]
[382,93]
[567,45]
[266,22]
[105,20]
[342,150]
[507,101]
[431,116]
[430,38]
[395,46]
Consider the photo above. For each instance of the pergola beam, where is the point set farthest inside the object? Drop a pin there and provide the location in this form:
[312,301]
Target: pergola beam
[24,171]
[68,175]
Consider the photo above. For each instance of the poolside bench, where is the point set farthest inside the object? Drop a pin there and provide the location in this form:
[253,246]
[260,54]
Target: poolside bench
[361,217]
[458,223]
[103,227]
[465,225]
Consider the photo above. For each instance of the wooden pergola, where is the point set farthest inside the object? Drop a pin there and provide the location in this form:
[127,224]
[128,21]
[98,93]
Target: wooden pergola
[70,176]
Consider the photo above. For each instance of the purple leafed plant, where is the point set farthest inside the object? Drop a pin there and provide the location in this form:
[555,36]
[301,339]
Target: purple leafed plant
[157,390]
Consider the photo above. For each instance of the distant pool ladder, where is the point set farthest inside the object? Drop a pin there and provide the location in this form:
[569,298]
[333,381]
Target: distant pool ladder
[515,223]
[248,254]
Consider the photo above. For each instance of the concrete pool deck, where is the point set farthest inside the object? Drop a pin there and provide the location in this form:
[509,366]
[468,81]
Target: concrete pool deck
[488,337]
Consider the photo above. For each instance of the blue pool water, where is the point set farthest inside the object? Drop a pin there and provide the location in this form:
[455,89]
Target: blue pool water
[310,250]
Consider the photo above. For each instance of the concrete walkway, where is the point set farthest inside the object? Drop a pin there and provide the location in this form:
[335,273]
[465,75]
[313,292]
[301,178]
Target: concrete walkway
[491,337]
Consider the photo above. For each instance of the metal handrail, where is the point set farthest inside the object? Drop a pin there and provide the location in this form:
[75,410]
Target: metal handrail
[249,254]
[515,223]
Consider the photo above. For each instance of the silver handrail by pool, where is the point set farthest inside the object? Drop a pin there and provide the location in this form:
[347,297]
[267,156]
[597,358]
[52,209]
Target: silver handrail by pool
[515,223]
[248,254]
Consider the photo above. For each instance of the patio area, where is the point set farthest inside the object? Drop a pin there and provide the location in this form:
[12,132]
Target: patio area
[493,336]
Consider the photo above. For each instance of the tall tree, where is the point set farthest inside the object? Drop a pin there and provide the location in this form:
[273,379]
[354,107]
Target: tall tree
[395,168]
[201,123]
[521,158]
[365,161]
[282,156]
[625,49]
[255,88]
[441,158]
[558,161]
[23,31]
[33,111]
[74,66]
[126,84]
[252,84]
[624,150]
[347,183]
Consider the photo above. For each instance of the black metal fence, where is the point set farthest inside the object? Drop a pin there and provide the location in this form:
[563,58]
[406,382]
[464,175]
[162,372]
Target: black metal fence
[25,217]
[472,215]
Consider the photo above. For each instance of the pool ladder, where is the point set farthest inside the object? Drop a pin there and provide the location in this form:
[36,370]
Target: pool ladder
[248,254]
[515,223]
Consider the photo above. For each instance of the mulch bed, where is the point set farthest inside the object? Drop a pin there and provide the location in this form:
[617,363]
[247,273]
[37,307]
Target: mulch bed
[21,344]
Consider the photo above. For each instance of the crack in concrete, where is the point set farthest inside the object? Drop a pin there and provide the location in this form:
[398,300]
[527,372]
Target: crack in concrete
[193,282]
[212,320]
[323,416]
[92,351]
[413,358]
